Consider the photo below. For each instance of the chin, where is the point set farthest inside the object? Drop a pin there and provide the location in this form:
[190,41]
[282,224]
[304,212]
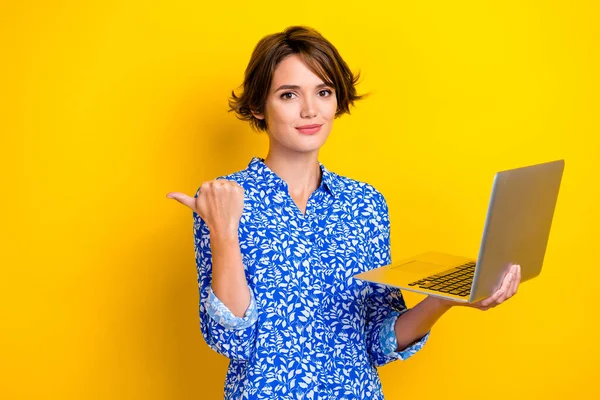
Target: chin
[311,145]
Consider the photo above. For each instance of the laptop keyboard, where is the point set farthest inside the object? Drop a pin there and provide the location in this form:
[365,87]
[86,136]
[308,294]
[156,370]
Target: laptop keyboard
[455,281]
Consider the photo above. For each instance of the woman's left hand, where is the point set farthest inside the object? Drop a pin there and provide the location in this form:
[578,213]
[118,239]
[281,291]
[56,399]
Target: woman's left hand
[508,289]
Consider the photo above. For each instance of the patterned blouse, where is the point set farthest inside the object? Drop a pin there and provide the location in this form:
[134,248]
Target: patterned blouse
[312,331]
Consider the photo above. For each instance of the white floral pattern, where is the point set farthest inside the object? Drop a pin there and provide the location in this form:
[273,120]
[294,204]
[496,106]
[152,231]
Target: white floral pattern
[219,311]
[312,331]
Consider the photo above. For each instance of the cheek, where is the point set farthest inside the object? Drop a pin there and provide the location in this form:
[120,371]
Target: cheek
[329,108]
[282,114]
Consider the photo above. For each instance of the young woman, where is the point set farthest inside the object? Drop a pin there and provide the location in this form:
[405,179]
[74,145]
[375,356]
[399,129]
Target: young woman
[277,244]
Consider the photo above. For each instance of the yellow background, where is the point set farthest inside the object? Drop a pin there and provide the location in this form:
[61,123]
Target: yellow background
[107,106]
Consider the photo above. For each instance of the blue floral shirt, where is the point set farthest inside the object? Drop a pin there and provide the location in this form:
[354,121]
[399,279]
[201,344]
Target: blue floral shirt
[312,330]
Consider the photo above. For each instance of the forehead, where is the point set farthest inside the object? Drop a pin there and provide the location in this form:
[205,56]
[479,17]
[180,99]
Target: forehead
[293,71]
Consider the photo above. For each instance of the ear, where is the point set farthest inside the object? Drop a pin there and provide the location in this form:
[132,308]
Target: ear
[257,115]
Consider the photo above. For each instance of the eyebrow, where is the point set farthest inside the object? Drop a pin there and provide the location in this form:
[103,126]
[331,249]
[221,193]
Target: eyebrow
[284,87]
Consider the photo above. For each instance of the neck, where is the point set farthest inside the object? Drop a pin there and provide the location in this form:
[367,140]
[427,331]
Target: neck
[300,171]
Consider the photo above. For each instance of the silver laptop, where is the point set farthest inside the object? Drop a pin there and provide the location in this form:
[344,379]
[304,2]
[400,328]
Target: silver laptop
[516,231]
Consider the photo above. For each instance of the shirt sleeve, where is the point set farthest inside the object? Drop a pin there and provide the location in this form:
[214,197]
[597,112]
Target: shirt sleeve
[385,304]
[225,333]
[389,342]
[223,315]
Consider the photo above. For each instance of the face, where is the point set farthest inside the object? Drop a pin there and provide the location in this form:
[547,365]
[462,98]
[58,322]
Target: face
[297,100]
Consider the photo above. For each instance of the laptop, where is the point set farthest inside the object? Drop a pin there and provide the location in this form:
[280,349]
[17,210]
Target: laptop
[516,231]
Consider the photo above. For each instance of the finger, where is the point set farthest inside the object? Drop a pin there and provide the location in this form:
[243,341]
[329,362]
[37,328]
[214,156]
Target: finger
[516,281]
[476,305]
[498,294]
[509,279]
[487,302]
[492,299]
[507,285]
[182,198]
[511,288]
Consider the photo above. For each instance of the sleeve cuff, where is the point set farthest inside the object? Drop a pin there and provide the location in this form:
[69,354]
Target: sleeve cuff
[389,342]
[221,314]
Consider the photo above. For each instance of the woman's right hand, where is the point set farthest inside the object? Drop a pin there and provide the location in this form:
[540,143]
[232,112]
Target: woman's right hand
[220,204]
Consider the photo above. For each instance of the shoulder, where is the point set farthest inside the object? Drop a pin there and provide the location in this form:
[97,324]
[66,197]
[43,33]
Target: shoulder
[359,191]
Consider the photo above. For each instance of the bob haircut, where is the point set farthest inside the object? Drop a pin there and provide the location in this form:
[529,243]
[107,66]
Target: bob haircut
[319,55]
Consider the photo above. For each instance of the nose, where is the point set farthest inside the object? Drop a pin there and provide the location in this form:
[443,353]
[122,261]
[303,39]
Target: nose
[308,109]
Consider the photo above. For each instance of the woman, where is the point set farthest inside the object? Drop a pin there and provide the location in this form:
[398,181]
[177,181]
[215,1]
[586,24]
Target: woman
[277,244]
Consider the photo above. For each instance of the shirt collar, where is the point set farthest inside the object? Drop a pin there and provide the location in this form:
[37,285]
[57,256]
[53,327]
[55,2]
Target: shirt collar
[260,171]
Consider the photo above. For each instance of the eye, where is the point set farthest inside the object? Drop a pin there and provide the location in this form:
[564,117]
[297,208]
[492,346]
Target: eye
[326,91]
[285,96]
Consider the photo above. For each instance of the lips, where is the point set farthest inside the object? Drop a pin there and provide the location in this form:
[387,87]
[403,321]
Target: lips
[309,129]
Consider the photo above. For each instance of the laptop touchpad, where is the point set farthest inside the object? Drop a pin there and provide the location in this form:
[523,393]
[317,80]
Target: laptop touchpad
[420,268]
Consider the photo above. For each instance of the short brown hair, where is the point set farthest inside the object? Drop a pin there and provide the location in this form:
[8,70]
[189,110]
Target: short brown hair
[316,51]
